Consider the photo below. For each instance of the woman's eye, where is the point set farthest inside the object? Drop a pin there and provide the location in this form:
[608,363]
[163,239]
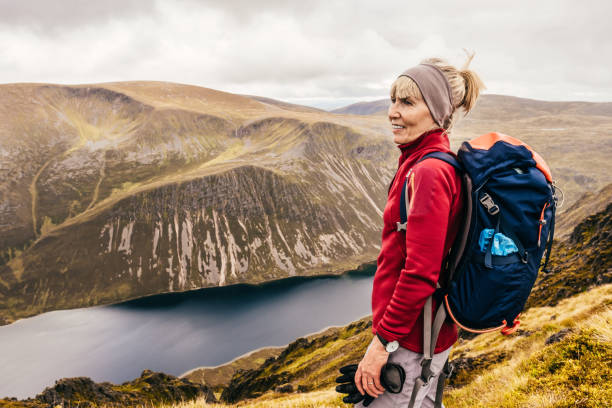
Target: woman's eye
[406,101]
[392,100]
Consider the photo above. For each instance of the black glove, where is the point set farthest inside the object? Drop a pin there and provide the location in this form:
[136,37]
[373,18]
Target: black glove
[347,386]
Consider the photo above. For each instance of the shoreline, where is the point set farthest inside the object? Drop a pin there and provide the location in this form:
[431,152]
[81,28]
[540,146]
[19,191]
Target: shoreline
[247,354]
[365,269]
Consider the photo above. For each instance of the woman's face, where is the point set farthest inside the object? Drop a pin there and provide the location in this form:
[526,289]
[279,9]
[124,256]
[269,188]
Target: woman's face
[410,118]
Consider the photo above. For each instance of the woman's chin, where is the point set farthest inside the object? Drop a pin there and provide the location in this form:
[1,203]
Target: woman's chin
[400,138]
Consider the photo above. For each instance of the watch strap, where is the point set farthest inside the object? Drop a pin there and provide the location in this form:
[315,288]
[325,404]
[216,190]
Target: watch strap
[382,339]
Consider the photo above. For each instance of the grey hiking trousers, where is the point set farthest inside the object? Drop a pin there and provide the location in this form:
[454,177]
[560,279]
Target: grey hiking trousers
[411,362]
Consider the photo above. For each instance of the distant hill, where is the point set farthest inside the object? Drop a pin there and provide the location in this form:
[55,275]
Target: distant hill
[364,108]
[491,105]
[284,105]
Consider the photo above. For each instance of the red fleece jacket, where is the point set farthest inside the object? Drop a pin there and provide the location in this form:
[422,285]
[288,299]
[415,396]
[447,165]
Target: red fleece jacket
[409,263]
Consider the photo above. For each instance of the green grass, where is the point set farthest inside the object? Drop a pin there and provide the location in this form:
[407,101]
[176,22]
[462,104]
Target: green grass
[579,368]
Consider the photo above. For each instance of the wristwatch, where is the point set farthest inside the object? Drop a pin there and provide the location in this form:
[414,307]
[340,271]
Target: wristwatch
[390,346]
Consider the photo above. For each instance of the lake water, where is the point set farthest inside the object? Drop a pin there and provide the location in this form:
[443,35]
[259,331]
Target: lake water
[172,333]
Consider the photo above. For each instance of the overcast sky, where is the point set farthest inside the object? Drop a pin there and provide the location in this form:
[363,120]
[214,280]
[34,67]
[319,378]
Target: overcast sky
[322,53]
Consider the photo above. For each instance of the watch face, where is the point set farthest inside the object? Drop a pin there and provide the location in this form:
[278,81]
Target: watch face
[392,346]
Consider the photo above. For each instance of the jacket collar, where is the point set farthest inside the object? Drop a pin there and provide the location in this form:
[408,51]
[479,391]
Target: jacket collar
[435,140]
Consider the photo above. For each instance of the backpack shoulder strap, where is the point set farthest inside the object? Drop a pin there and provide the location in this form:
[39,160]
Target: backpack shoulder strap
[452,261]
[445,157]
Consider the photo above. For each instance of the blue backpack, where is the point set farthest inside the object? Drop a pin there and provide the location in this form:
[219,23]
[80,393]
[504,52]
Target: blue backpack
[509,216]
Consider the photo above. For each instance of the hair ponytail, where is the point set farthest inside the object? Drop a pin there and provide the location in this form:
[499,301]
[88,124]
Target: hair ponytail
[465,84]
[473,86]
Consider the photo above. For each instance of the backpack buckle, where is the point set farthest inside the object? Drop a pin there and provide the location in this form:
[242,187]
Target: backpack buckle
[489,204]
[426,373]
[401,226]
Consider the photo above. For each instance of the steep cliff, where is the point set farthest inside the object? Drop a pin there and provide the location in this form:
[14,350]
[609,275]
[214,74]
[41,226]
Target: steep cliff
[116,191]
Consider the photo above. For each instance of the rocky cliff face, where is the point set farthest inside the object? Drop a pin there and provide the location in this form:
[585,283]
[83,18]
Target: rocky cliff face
[115,192]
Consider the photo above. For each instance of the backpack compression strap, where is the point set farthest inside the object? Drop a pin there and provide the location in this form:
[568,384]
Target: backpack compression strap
[551,234]
[430,338]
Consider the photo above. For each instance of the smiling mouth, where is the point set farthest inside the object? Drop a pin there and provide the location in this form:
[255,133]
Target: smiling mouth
[397,127]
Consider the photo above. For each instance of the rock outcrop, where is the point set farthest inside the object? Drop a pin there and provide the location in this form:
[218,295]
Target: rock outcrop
[150,388]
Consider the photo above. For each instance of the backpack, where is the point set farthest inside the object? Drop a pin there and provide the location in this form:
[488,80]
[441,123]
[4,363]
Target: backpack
[509,217]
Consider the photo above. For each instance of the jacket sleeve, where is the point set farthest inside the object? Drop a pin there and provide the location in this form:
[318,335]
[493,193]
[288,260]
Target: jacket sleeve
[430,197]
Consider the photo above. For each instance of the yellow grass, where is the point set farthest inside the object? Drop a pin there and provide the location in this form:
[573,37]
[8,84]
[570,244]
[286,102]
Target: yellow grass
[318,399]
[499,387]
[503,385]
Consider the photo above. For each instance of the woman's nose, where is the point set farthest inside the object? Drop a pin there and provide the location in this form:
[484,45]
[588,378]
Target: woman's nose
[392,112]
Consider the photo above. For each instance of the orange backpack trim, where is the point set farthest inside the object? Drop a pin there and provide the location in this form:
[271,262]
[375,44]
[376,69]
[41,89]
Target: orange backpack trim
[485,142]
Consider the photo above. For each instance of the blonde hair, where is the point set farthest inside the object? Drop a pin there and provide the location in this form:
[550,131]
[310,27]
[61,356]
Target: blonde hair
[465,86]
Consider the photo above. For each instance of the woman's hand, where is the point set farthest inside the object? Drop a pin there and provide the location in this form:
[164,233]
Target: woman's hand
[367,377]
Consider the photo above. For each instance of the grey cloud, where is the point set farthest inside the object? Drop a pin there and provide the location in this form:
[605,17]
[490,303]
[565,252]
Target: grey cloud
[246,10]
[64,15]
[309,49]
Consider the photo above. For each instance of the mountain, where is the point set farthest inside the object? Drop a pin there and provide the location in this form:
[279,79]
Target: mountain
[119,190]
[575,138]
[115,191]
[284,105]
[492,105]
[364,108]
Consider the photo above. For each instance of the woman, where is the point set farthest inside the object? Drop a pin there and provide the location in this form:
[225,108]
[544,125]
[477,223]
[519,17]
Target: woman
[424,100]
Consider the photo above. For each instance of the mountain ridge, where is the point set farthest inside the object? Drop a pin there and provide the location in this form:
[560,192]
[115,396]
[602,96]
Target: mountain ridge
[113,180]
[379,106]
[81,163]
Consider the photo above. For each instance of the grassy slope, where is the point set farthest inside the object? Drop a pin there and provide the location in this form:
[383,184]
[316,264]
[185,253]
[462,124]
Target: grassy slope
[573,372]
[221,375]
[589,203]
[578,263]
[306,364]
[81,392]
[530,373]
